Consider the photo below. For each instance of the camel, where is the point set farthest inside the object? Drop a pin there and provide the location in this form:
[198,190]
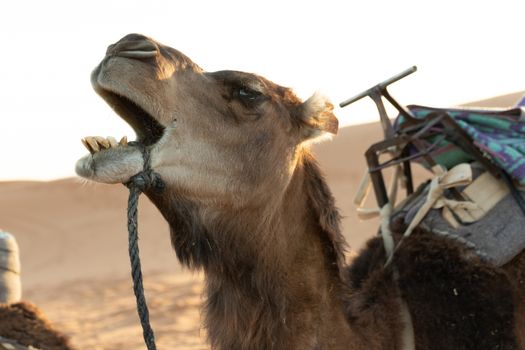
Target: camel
[23,325]
[247,203]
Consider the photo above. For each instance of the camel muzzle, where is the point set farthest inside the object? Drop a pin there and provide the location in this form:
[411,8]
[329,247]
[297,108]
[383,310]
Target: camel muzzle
[133,46]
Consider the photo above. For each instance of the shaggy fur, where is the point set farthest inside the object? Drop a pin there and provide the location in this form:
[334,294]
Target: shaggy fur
[456,300]
[26,324]
[515,271]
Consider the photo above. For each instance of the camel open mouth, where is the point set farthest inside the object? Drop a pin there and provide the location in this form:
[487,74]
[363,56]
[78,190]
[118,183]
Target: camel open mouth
[146,127]
[120,94]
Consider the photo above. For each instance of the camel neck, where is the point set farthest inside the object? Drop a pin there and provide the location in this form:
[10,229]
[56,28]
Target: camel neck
[281,288]
[272,268]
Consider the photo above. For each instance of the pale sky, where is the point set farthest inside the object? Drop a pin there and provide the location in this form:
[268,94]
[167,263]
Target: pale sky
[464,50]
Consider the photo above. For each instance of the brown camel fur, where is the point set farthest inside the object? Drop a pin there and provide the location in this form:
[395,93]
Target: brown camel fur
[24,323]
[246,203]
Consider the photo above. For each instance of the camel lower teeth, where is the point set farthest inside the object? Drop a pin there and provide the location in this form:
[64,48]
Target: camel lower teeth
[97,143]
[112,141]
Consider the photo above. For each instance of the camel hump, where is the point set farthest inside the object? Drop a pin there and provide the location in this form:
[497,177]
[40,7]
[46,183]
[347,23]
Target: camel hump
[10,284]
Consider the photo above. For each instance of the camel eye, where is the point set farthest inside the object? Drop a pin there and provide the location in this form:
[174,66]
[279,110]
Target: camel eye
[246,95]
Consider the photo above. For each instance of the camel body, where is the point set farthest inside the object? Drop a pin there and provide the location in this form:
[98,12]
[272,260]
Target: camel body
[247,204]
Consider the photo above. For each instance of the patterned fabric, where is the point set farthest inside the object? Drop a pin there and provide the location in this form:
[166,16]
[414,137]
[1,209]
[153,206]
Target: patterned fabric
[498,134]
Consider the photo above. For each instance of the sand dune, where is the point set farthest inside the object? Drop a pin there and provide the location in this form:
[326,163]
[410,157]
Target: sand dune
[503,101]
[73,244]
[100,313]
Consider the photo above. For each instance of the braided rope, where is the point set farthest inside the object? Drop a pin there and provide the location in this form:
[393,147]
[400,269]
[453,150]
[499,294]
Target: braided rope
[137,185]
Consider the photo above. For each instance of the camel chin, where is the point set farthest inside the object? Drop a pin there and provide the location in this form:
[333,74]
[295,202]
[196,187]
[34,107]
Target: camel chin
[115,164]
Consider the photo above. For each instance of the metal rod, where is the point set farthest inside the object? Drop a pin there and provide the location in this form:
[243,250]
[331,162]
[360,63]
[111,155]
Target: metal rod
[388,130]
[401,109]
[379,86]
[407,171]
[378,182]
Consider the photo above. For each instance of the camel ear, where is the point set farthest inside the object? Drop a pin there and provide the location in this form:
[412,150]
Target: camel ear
[316,117]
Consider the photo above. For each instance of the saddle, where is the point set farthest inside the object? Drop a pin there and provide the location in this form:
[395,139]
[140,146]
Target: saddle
[487,218]
[487,211]
[477,157]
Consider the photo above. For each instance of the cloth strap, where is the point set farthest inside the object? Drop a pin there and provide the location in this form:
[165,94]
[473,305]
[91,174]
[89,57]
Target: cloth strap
[460,175]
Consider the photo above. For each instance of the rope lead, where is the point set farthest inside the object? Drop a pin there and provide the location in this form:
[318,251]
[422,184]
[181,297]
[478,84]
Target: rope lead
[137,185]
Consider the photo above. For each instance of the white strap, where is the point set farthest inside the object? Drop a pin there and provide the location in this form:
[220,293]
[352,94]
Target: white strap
[386,234]
[407,337]
[460,175]
[363,191]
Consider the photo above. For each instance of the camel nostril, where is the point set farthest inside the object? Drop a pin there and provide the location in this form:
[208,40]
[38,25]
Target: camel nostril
[133,46]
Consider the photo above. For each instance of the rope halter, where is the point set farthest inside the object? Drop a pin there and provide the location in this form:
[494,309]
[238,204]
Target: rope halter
[137,184]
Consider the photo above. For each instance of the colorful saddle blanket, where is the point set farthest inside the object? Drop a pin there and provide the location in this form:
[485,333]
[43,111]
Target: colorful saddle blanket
[498,134]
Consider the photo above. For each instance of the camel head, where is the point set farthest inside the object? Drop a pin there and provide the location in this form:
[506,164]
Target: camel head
[213,136]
